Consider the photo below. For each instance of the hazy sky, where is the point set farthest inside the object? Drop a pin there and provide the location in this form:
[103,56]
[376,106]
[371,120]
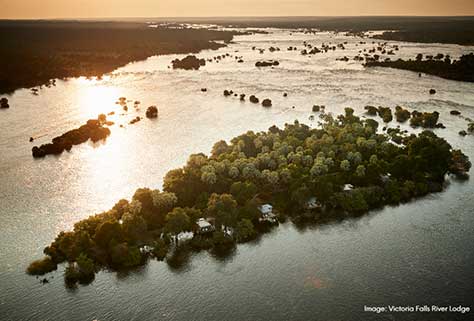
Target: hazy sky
[195,8]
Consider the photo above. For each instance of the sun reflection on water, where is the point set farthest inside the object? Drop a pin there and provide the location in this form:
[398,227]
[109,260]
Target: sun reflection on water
[96,98]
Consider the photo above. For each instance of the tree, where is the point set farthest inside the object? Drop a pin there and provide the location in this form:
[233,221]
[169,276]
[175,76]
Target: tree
[353,201]
[219,148]
[135,207]
[144,196]
[360,171]
[134,226]
[193,213]
[106,232]
[345,165]
[234,172]
[319,168]
[126,256]
[209,177]
[245,230]
[223,208]
[243,191]
[177,221]
[43,266]
[430,154]
[86,265]
[163,203]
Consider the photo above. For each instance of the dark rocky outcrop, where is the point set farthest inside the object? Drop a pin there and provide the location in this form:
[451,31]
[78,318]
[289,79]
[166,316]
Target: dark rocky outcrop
[94,130]
[190,62]
[455,112]
[432,91]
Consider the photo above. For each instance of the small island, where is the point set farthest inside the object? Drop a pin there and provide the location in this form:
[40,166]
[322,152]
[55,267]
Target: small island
[94,130]
[308,175]
[439,65]
[189,62]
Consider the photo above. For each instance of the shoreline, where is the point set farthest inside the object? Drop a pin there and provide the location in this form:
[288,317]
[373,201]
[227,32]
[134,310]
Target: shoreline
[88,49]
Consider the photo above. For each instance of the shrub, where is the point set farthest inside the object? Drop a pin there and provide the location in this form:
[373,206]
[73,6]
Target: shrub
[42,266]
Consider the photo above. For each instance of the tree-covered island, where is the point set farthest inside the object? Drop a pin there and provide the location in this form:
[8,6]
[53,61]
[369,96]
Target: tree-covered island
[345,167]
[438,65]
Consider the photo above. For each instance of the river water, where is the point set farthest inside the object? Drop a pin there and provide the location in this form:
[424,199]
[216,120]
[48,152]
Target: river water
[417,253]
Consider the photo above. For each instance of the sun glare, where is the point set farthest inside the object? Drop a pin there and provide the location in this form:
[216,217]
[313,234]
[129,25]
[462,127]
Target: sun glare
[96,98]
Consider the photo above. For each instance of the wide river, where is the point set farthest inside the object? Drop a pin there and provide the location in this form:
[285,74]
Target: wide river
[417,253]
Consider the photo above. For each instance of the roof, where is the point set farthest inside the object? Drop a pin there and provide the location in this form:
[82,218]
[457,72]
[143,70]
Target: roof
[265,208]
[203,223]
[348,187]
[313,203]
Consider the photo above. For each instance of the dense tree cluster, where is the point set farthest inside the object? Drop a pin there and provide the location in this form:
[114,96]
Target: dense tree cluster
[417,119]
[402,114]
[267,63]
[34,52]
[189,62]
[152,112]
[283,167]
[425,120]
[440,65]
[94,130]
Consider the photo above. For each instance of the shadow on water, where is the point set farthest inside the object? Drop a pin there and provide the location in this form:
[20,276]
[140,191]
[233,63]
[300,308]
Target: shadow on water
[179,259]
[124,273]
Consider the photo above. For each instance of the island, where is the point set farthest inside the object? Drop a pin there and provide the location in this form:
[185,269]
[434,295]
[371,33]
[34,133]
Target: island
[94,129]
[438,65]
[189,62]
[342,168]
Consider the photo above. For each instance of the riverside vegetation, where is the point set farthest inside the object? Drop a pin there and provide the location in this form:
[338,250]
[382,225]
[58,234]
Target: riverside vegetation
[438,65]
[34,52]
[284,167]
[93,129]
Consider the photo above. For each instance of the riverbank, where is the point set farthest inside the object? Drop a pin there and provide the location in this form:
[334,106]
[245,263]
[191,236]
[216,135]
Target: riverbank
[33,53]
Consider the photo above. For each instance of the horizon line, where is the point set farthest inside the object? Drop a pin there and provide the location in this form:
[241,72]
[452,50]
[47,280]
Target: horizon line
[236,17]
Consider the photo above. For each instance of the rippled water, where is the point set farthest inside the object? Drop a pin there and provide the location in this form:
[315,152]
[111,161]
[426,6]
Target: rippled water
[418,253]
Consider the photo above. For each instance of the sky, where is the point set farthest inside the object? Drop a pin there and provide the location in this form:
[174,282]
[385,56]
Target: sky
[34,9]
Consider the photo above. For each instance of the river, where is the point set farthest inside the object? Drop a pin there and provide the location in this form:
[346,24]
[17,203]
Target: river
[416,253]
